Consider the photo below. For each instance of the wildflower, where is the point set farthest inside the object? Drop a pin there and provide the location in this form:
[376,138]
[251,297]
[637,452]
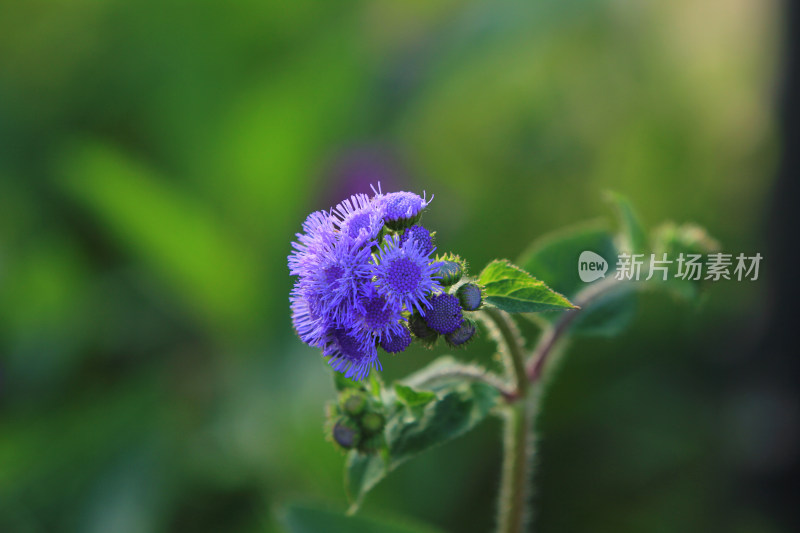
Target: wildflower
[318,235]
[350,353]
[445,315]
[396,342]
[421,235]
[404,275]
[402,209]
[378,317]
[358,218]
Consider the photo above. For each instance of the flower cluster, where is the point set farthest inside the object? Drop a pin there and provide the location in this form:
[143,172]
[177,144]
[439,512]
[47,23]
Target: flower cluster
[364,269]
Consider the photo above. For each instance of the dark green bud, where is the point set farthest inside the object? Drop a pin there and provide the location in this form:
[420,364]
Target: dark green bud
[353,402]
[372,423]
[463,335]
[469,296]
[420,329]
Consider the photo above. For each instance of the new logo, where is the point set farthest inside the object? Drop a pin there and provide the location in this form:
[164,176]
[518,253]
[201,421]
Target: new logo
[591,266]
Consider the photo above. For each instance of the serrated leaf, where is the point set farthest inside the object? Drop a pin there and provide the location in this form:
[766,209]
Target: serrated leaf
[633,236]
[307,519]
[457,408]
[412,397]
[555,257]
[513,290]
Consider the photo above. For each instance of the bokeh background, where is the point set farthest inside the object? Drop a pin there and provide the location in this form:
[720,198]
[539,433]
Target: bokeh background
[156,158]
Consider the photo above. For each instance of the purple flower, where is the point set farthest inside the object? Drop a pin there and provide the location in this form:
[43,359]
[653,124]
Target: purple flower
[347,300]
[404,275]
[421,235]
[337,276]
[378,317]
[319,235]
[400,209]
[311,325]
[350,353]
[397,342]
[444,315]
[358,218]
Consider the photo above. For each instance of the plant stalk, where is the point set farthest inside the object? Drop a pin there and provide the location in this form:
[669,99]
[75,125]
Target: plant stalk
[513,504]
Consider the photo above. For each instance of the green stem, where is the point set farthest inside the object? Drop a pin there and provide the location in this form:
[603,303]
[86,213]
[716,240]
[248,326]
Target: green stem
[518,439]
[514,348]
[517,452]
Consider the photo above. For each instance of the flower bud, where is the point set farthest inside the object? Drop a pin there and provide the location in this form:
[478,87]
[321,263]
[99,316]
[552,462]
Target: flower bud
[353,402]
[372,423]
[421,331]
[469,296]
[402,209]
[396,343]
[448,272]
[445,315]
[422,237]
[346,433]
[463,335]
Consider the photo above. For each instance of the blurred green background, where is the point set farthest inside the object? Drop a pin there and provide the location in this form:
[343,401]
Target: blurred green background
[156,159]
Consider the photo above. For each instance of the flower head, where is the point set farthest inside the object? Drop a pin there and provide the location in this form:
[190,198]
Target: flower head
[318,235]
[337,277]
[396,342]
[404,275]
[358,218]
[351,353]
[445,315]
[401,209]
[377,316]
[421,235]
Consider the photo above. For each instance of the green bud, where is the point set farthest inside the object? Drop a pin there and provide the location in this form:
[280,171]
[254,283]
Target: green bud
[449,272]
[421,331]
[372,423]
[352,402]
[469,296]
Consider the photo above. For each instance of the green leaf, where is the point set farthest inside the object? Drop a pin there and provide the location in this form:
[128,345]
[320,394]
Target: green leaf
[633,238]
[555,256]
[458,411]
[411,397]
[306,519]
[361,473]
[513,290]
[457,407]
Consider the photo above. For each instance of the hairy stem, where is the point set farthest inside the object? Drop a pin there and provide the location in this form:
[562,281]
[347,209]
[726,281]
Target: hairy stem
[514,349]
[518,434]
[514,500]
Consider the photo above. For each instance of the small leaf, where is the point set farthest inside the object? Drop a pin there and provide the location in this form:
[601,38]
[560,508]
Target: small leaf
[458,411]
[513,290]
[457,408]
[412,397]
[306,519]
[633,236]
